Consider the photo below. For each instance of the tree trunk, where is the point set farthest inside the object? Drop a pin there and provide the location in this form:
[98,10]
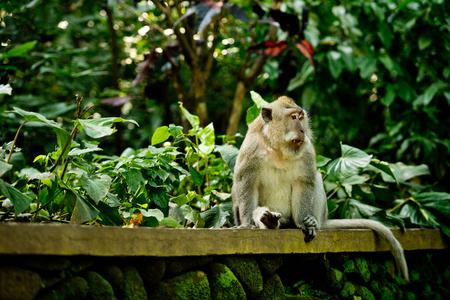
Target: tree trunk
[238,101]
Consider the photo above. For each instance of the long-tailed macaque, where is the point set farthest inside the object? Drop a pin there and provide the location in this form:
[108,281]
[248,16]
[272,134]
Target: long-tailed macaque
[276,182]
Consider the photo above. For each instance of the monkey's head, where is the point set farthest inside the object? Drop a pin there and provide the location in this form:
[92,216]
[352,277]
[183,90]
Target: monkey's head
[286,125]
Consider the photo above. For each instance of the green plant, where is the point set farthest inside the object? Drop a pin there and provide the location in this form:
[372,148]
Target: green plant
[172,185]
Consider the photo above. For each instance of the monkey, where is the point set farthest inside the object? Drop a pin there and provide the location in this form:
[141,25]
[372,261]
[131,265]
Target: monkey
[276,183]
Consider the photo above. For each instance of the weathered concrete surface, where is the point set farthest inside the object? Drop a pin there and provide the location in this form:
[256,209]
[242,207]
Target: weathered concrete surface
[49,239]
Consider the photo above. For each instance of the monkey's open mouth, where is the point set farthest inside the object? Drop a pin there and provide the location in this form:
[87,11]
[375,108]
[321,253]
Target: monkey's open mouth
[297,142]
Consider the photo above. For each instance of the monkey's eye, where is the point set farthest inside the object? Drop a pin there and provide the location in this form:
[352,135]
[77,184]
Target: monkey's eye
[294,117]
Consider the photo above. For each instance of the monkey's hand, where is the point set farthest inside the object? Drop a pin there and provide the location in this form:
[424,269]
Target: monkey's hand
[270,219]
[310,223]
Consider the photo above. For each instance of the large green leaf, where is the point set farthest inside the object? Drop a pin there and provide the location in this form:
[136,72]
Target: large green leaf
[160,135]
[439,202]
[382,167]
[4,167]
[96,186]
[18,51]
[252,113]
[361,210]
[193,119]
[197,177]
[352,162]
[403,173]
[61,135]
[83,211]
[216,217]
[207,138]
[101,127]
[258,100]
[229,154]
[134,179]
[20,201]
[5,89]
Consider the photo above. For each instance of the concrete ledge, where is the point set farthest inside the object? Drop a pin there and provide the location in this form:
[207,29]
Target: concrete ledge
[49,239]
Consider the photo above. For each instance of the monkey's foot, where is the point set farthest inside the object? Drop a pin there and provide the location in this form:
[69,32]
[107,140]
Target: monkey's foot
[245,226]
[270,219]
[310,223]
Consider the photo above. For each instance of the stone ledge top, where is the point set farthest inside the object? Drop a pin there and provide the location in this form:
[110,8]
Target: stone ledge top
[67,240]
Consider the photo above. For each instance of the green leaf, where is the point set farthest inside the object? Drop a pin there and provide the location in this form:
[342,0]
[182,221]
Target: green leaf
[197,177]
[83,211]
[156,213]
[229,154]
[404,173]
[216,217]
[383,167]
[160,135]
[208,138]
[101,127]
[258,100]
[19,200]
[352,161]
[170,222]
[389,97]
[61,135]
[361,210]
[192,119]
[89,148]
[18,51]
[4,167]
[424,42]
[252,113]
[180,200]
[97,187]
[5,89]
[134,179]
[334,63]
[367,66]
[322,161]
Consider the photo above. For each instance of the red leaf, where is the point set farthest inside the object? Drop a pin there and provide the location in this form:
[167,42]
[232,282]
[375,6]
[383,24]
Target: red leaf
[269,48]
[307,50]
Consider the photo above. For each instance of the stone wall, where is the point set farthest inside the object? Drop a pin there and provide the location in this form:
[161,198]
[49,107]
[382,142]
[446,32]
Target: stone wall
[281,276]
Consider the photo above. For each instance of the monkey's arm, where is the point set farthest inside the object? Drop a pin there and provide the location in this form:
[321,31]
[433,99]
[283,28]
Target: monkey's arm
[245,187]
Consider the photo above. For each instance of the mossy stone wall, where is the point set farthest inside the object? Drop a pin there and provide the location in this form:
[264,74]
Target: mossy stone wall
[299,276]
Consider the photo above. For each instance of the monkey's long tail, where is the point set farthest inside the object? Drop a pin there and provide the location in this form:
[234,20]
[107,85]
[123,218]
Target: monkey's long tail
[383,231]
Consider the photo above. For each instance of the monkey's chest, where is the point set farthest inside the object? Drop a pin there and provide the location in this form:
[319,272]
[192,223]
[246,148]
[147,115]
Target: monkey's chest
[275,190]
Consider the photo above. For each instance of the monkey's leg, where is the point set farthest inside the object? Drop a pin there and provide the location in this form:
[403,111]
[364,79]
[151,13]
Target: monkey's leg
[310,223]
[266,219]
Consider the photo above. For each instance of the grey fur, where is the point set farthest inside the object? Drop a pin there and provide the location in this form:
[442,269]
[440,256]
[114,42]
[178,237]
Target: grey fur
[277,185]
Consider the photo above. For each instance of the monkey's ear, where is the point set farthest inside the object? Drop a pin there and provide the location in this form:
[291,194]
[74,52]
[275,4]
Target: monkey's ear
[266,114]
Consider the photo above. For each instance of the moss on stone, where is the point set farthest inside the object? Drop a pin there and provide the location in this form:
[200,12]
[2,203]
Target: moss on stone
[247,271]
[334,279]
[70,289]
[99,288]
[191,285]
[349,266]
[114,276]
[224,284]
[348,290]
[133,286]
[273,289]
[362,268]
[365,293]
[17,283]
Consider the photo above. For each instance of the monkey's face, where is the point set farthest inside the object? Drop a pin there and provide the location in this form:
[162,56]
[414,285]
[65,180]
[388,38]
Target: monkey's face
[294,131]
[284,126]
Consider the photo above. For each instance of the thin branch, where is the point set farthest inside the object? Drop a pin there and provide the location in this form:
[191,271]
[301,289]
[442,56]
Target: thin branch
[14,142]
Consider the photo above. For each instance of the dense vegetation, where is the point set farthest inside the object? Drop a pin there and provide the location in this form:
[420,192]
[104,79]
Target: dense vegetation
[77,73]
